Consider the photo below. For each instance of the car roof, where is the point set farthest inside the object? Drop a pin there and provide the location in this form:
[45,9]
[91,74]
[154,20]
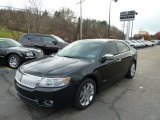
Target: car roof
[4,38]
[37,34]
[99,40]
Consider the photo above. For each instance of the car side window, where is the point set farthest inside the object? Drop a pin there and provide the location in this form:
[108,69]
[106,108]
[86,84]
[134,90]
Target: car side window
[27,38]
[37,39]
[49,40]
[110,48]
[122,47]
[3,44]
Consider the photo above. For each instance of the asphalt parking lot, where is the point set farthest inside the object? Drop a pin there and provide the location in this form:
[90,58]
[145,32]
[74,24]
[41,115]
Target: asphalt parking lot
[135,99]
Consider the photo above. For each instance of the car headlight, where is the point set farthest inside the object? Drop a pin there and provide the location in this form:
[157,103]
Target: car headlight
[29,54]
[54,82]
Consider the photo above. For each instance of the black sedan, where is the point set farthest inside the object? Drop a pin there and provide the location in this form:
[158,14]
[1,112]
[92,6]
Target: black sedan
[76,73]
[13,53]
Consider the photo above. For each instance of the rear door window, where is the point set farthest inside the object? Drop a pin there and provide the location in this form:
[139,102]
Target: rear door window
[110,48]
[122,47]
[37,39]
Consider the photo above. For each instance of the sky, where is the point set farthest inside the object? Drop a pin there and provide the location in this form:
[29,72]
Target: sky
[148,18]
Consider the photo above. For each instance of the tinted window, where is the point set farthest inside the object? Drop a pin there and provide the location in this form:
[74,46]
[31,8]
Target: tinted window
[82,49]
[2,44]
[48,40]
[110,48]
[58,39]
[37,38]
[122,47]
[27,38]
[9,43]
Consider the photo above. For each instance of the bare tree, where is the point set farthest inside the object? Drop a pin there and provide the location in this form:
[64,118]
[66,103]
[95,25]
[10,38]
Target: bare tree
[62,23]
[34,15]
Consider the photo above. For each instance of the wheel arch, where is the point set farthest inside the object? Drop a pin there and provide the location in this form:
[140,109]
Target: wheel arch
[94,78]
[13,53]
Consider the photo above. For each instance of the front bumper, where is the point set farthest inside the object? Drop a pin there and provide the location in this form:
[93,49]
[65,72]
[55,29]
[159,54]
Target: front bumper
[47,97]
[36,56]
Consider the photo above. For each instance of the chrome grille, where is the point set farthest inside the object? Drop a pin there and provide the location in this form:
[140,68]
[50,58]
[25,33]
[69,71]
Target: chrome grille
[27,80]
[18,76]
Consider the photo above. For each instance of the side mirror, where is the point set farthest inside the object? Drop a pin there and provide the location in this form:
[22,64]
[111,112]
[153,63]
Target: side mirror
[54,42]
[106,57]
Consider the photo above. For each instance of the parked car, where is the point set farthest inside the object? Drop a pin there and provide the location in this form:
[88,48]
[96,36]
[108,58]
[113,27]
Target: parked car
[142,44]
[13,53]
[139,44]
[154,42]
[136,43]
[149,44]
[48,43]
[76,73]
[131,43]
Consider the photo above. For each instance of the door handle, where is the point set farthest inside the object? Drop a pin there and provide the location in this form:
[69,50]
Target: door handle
[119,60]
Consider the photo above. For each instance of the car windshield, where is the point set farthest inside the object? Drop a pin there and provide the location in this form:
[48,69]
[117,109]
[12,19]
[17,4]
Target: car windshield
[12,43]
[133,41]
[59,39]
[81,49]
[127,41]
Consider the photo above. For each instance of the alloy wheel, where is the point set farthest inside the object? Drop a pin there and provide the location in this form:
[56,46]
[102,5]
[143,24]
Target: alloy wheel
[87,94]
[14,61]
[133,69]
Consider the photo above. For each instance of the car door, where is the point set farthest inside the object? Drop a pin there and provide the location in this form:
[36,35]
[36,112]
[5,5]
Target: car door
[110,69]
[27,41]
[124,56]
[50,44]
[2,51]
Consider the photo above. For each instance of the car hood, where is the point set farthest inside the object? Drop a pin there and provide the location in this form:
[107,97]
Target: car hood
[54,66]
[25,49]
[62,45]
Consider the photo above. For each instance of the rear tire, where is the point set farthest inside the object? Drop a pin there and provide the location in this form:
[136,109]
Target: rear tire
[132,70]
[14,61]
[85,94]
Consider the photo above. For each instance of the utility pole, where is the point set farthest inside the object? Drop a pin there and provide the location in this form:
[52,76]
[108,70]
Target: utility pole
[109,26]
[128,30]
[132,30]
[81,19]
[123,26]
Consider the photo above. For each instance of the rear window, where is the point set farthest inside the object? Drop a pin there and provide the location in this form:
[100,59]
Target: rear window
[49,40]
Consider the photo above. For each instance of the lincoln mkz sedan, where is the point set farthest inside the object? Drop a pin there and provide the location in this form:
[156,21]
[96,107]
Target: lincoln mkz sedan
[76,73]
[13,53]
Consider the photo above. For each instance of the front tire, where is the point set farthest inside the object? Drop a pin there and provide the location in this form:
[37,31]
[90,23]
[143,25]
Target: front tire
[14,61]
[85,94]
[132,70]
